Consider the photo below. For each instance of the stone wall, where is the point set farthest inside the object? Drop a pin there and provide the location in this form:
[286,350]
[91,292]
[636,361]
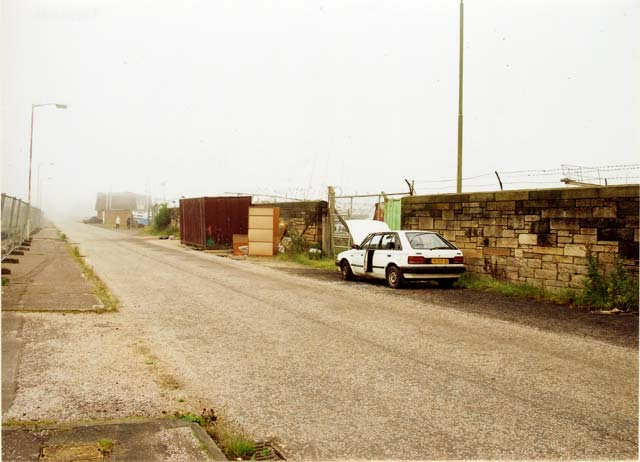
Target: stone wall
[306,218]
[539,237]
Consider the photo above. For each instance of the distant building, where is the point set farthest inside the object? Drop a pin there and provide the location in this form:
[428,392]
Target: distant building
[122,204]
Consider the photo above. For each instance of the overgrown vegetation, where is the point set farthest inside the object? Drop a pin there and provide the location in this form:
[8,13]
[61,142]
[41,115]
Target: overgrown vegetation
[512,289]
[227,434]
[105,446]
[5,281]
[161,224]
[298,250]
[613,291]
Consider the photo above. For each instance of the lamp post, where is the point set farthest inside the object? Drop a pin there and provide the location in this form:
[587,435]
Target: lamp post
[459,176]
[39,192]
[33,107]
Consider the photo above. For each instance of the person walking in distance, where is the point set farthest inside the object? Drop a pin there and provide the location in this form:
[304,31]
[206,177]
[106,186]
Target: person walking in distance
[128,222]
[118,222]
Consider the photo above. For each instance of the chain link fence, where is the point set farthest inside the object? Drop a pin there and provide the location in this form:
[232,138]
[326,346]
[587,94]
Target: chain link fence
[15,221]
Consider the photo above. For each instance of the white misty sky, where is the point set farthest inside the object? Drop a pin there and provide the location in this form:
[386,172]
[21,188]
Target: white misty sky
[289,96]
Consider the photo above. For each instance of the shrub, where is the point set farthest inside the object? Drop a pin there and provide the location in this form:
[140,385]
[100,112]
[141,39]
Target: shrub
[163,218]
[615,291]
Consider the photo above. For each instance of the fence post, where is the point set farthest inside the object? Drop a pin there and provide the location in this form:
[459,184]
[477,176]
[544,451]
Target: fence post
[331,221]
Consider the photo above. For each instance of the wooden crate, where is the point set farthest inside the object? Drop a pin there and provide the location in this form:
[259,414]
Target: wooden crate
[264,231]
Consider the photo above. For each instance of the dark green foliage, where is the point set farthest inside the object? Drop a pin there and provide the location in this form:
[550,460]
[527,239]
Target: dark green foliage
[163,218]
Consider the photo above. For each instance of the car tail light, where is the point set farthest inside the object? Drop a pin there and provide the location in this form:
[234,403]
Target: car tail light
[417,260]
[458,260]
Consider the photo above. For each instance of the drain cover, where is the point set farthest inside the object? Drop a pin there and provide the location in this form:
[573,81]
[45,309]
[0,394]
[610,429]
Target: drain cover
[265,451]
[70,453]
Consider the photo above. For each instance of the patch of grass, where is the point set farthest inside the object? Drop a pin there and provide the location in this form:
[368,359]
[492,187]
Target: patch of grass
[228,435]
[153,230]
[62,236]
[189,417]
[306,260]
[512,289]
[5,281]
[105,446]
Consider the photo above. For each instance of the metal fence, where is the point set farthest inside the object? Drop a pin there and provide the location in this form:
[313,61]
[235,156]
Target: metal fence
[15,220]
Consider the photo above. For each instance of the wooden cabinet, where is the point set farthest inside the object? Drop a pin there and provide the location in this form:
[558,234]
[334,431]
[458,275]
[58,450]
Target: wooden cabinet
[263,230]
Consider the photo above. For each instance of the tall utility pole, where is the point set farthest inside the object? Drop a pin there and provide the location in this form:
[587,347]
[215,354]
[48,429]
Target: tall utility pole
[459,177]
[33,107]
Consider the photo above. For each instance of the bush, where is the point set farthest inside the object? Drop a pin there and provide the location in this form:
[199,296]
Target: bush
[615,291]
[163,218]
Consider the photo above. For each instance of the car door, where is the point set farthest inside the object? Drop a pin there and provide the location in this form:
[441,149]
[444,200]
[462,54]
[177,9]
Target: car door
[389,248]
[357,257]
[372,247]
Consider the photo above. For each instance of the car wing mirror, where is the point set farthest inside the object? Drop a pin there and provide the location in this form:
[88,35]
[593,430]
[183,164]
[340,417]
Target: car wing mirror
[355,247]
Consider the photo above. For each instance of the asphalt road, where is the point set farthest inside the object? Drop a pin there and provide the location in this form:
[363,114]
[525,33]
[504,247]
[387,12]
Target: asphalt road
[336,370]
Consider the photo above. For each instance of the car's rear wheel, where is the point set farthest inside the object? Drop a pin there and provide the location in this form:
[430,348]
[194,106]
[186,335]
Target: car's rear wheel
[447,282]
[345,268]
[394,277]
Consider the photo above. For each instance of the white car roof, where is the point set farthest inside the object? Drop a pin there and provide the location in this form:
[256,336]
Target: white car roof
[360,229]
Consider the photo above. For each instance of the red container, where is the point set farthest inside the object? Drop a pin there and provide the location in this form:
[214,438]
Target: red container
[211,222]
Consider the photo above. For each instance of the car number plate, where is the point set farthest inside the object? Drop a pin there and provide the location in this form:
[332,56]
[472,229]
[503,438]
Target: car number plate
[440,261]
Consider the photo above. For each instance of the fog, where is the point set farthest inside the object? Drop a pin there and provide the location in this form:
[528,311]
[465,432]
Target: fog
[177,98]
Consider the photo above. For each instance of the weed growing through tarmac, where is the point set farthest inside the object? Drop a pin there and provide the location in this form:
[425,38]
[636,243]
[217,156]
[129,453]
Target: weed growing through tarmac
[100,289]
[5,281]
[105,446]
[227,434]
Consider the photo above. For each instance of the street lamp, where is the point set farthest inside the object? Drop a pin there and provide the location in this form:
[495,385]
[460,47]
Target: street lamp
[33,107]
[40,164]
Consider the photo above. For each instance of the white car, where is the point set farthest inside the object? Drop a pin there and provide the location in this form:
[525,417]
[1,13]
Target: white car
[400,256]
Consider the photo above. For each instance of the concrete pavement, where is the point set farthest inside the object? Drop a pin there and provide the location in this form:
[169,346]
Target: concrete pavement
[44,287]
[162,440]
[47,279]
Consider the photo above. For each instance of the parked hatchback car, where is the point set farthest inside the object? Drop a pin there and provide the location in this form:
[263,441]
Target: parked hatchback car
[400,256]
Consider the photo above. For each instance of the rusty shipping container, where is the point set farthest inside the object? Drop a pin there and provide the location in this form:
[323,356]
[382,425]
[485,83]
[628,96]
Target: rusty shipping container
[211,222]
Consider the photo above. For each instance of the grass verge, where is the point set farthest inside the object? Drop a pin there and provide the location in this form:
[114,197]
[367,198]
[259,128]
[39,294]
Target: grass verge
[512,289]
[304,259]
[100,289]
[168,231]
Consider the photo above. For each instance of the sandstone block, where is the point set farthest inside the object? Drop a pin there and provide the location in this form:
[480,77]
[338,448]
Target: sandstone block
[426,223]
[528,239]
[575,250]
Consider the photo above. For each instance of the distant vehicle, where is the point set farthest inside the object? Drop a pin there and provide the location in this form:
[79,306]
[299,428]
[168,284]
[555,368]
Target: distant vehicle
[400,256]
[141,218]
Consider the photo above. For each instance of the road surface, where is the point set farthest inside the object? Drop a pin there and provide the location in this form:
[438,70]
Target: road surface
[332,370]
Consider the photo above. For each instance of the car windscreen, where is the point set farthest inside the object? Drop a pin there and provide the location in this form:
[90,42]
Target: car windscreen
[427,241]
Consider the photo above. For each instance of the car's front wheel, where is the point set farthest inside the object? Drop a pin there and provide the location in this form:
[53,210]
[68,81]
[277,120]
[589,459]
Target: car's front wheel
[394,277]
[345,268]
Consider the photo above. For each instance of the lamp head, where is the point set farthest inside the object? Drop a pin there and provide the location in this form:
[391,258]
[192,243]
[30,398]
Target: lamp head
[61,106]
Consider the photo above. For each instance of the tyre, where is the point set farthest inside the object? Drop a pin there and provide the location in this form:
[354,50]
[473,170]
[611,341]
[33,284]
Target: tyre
[394,277]
[345,268]
[448,283]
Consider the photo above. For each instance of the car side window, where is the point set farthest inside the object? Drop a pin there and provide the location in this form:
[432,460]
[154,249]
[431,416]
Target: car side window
[374,243]
[365,242]
[391,242]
